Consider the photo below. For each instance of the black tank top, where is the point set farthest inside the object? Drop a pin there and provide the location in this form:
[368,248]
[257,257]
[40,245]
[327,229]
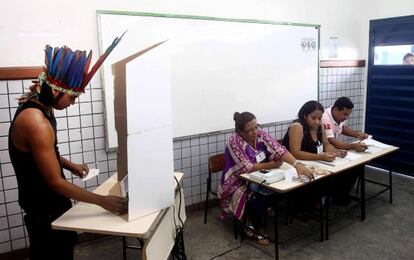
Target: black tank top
[35,195]
[308,145]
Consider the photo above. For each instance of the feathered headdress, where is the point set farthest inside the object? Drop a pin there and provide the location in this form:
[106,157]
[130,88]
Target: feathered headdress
[67,70]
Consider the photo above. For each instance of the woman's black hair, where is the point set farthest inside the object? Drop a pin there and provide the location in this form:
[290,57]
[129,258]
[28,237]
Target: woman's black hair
[241,119]
[308,108]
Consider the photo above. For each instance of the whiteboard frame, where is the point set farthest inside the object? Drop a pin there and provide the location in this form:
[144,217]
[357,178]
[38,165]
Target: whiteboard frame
[177,16]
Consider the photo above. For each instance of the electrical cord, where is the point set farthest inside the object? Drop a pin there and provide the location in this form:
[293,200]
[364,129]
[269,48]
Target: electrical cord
[178,250]
[227,251]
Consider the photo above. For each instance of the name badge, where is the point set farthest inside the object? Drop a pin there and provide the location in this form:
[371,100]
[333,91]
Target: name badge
[260,157]
[319,148]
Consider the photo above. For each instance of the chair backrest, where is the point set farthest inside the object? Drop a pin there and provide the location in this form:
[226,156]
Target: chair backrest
[216,163]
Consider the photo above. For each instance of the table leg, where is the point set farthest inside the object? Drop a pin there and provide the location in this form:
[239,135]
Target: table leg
[124,248]
[321,216]
[276,231]
[327,217]
[390,179]
[362,196]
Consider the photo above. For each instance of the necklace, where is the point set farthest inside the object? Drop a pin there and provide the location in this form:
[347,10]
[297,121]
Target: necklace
[252,145]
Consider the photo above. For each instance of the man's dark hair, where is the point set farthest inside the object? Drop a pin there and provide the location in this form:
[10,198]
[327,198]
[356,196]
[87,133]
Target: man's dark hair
[343,102]
[46,95]
[407,55]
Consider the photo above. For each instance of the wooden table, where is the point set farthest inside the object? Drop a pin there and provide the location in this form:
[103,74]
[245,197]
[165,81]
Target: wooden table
[156,229]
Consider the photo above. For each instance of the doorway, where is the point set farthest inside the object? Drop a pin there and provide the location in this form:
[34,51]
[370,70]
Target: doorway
[389,115]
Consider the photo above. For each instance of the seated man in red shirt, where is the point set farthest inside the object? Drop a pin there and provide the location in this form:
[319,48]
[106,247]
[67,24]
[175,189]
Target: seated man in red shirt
[333,121]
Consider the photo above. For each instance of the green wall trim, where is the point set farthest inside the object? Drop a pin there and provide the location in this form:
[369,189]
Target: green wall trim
[210,18]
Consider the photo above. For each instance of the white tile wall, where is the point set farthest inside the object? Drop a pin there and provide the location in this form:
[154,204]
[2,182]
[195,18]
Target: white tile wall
[73,122]
[3,87]
[4,115]
[4,101]
[17,232]
[15,86]
[7,169]
[73,111]
[10,182]
[12,208]
[3,211]
[4,235]
[86,120]
[98,119]
[4,224]
[75,134]
[85,97]
[75,147]
[4,156]
[19,243]
[85,108]
[4,128]
[15,220]
[11,195]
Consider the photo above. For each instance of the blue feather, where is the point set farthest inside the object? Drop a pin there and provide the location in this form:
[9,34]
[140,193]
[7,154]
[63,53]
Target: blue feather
[49,57]
[68,78]
[66,62]
[79,70]
[74,72]
[56,61]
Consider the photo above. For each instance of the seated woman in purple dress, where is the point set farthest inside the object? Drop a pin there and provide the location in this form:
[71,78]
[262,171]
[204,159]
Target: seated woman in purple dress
[250,149]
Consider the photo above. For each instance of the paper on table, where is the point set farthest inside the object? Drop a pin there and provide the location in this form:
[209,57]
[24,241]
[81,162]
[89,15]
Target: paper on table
[372,142]
[92,173]
[352,155]
[336,162]
[373,149]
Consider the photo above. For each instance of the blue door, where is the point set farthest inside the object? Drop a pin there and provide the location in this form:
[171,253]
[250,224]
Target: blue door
[390,88]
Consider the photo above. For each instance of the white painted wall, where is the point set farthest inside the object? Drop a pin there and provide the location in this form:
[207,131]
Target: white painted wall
[378,9]
[26,26]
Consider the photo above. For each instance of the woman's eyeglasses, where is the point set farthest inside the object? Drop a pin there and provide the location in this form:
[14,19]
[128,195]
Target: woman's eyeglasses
[252,130]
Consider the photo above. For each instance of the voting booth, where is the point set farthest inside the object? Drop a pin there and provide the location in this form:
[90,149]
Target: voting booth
[142,107]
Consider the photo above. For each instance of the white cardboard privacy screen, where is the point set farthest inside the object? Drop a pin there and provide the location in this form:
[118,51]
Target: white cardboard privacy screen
[143,123]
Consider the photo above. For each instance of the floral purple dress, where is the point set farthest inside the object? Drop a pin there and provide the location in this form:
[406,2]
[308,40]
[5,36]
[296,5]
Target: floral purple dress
[239,158]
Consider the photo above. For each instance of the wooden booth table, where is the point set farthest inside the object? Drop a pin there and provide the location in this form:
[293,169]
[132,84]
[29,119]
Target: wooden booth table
[156,229]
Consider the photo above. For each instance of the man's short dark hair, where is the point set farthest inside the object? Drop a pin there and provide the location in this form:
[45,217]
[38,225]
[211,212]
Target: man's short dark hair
[343,102]
[407,55]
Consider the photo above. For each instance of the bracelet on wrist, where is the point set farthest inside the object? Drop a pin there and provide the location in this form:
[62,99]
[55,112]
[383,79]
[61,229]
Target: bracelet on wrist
[295,163]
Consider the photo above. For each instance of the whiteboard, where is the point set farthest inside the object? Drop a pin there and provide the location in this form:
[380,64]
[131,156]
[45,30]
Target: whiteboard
[219,66]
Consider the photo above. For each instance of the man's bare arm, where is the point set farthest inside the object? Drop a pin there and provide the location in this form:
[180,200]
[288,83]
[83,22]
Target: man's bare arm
[39,137]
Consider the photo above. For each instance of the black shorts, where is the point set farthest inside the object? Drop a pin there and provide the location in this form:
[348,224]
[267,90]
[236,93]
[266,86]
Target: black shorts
[46,243]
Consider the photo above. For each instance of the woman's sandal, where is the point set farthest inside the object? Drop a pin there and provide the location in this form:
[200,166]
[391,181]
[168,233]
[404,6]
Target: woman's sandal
[249,231]
[261,240]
